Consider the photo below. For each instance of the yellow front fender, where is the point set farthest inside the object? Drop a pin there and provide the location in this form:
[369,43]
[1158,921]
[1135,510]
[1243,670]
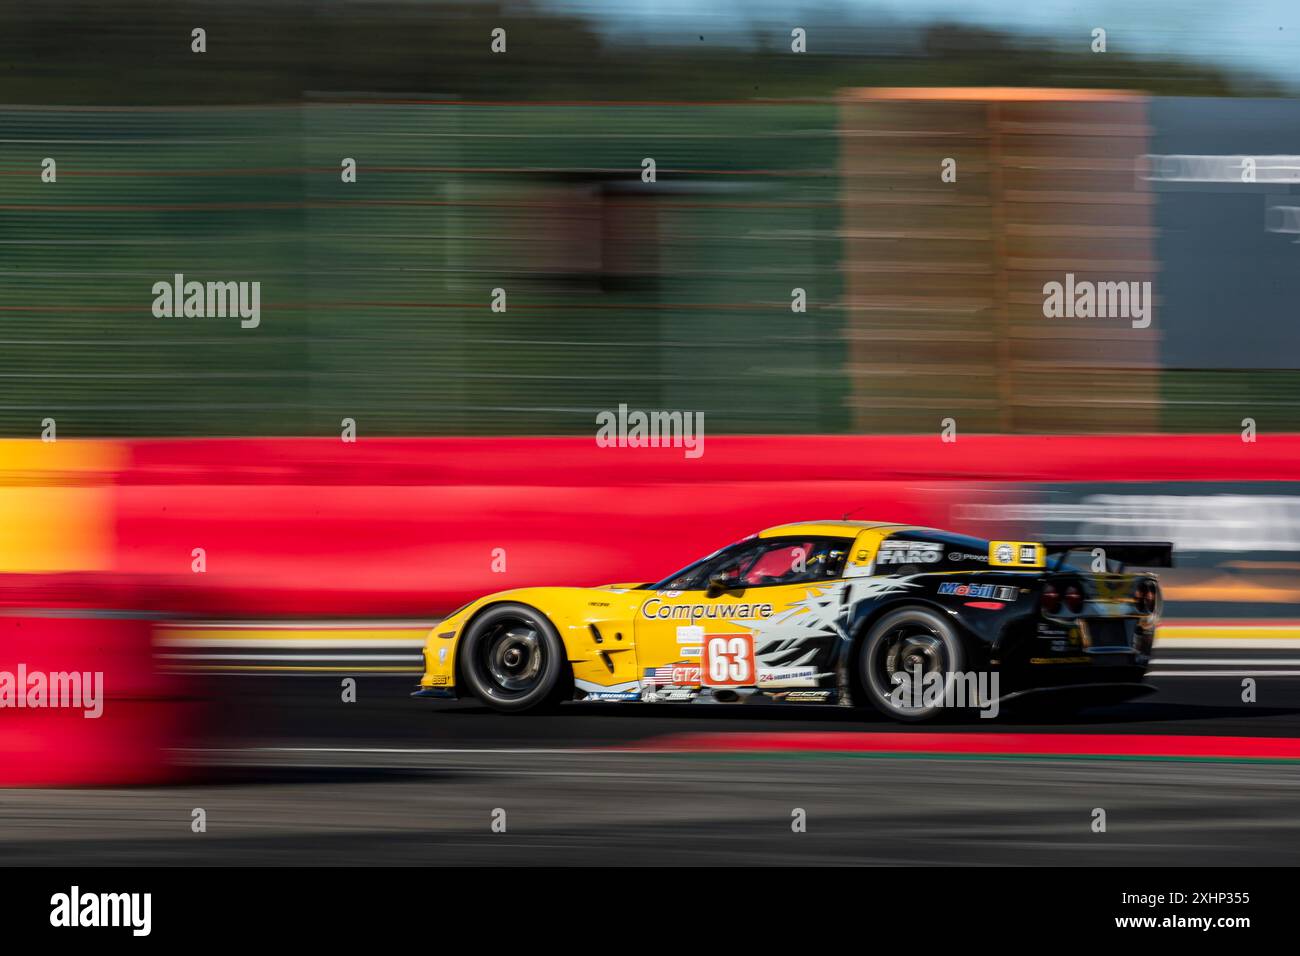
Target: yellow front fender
[594,624]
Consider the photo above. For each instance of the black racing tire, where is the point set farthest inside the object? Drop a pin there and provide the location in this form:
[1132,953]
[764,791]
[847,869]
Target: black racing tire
[900,641]
[512,660]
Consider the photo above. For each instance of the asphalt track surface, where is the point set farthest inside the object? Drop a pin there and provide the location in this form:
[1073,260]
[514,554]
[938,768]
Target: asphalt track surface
[292,775]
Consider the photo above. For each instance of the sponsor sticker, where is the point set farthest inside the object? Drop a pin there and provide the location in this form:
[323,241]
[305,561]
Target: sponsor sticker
[678,674]
[690,634]
[657,609]
[909,552]
[674,694]
[993,591]
[786,675]
[1017,554]
[807,696]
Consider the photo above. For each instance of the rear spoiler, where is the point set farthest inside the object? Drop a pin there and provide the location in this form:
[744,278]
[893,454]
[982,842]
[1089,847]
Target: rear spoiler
[1141,554]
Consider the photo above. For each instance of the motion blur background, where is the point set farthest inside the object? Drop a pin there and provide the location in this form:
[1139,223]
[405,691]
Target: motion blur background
[521,170]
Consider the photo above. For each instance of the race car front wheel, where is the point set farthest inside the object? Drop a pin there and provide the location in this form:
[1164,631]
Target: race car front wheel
[906,662]
[512,659]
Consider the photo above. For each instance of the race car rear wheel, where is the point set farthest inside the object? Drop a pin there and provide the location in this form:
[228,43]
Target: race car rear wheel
[512,659]
[903,645]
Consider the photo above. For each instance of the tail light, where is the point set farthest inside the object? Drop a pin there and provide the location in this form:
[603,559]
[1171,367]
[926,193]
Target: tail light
[1051,599]
[1144,596]
[1073,598]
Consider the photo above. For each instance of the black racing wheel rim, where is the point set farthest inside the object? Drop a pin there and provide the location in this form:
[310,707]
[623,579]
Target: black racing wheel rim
[912,648]
[511,659]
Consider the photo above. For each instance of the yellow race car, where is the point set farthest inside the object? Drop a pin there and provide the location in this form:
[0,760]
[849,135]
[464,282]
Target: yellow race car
[821,612]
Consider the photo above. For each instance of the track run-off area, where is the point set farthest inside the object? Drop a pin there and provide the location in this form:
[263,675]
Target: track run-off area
[289,772]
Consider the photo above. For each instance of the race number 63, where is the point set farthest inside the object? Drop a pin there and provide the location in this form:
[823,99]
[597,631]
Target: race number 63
[728,659]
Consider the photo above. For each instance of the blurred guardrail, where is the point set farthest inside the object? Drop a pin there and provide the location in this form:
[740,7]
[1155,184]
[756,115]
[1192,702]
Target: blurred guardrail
[84,702]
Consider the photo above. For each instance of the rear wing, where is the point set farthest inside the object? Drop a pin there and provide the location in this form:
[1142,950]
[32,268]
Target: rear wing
[1140,554]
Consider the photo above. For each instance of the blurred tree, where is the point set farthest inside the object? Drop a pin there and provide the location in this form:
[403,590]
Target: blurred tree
[138,52]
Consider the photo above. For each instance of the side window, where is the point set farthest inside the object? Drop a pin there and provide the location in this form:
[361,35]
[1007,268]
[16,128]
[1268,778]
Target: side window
[768,561]
[795,561]
[733,563]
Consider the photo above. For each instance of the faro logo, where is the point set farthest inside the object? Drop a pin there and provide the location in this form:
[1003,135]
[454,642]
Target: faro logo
[919,552]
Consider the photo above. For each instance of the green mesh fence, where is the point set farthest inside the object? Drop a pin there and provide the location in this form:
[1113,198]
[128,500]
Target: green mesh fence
[376,295]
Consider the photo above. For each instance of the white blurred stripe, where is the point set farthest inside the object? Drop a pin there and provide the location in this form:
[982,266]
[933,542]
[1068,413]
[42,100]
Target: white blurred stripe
[342,626]
[290,658]
[1230,661]
[1234,673]
[342,642]
[1221,644]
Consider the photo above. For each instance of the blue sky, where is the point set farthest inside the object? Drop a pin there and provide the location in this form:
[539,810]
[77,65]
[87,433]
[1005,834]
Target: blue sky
[1256,35]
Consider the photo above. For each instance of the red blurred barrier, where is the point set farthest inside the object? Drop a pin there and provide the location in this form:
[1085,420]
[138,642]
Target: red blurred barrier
[411,527]
[573,461]
[55,626]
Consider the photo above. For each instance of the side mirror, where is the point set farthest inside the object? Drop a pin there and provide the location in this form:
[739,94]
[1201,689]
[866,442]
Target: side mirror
[721,583]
